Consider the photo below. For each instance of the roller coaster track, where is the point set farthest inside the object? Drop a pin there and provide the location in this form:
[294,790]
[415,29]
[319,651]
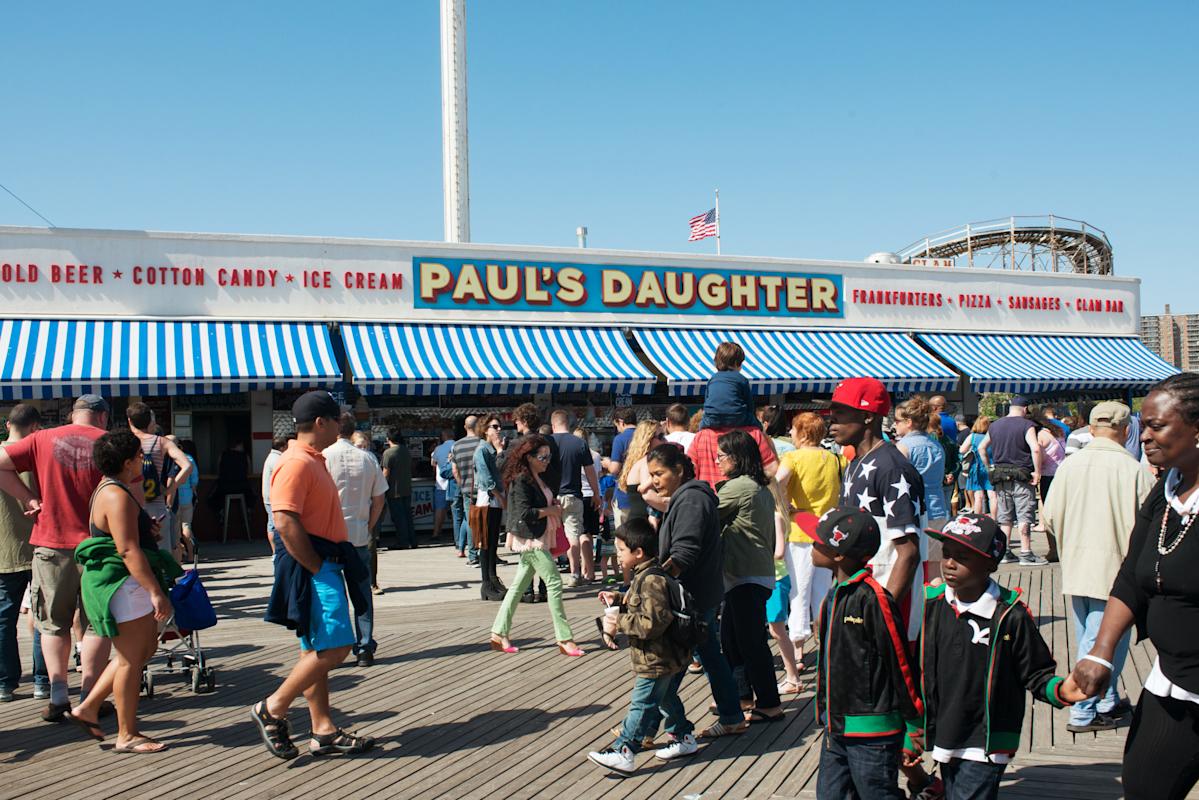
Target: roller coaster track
[1031,243]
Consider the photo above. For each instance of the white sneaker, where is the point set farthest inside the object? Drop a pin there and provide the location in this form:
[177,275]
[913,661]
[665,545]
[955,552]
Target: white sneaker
[678,748]
[621,760]
[571,581]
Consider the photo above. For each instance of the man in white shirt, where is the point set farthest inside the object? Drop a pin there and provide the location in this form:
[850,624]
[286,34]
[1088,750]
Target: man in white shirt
[278,445]
[362,489]
[678,426]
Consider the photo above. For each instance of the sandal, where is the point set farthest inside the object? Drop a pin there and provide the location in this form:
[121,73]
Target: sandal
[92,729]
[608,639]
[340,743]
[746,705]
[275,732]
[716,730]
[758,716]
[789,686]
[140,745]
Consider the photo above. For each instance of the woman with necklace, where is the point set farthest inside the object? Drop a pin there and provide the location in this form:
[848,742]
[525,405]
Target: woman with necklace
[1157,590]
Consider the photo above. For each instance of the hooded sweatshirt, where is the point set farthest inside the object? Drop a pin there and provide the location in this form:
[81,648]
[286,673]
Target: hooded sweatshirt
[689,536]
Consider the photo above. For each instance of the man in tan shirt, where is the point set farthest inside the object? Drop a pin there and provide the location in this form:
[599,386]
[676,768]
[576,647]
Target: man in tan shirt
[1092,507]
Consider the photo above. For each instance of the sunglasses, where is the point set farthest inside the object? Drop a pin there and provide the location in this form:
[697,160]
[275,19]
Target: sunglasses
[495,427]
[542,459]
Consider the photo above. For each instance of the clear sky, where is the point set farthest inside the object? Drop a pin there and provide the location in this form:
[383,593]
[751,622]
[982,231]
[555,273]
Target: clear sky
[832,130]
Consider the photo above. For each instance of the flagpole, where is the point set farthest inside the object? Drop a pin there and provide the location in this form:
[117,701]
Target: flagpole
[717,222]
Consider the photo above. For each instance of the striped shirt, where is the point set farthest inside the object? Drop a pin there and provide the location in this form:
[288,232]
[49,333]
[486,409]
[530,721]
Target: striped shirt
[463,456]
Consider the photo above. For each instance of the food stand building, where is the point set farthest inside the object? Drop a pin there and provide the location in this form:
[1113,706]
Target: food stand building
[220,332]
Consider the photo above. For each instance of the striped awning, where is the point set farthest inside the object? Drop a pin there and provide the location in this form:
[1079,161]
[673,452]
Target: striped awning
[64,358]
[796,360]
[413,359]
[1032,364]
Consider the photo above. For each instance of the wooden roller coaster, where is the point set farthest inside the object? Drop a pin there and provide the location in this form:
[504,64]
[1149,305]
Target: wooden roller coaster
[1030,243]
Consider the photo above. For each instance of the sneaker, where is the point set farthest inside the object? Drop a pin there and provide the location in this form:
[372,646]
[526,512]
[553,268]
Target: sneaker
[1100,722]
[616,760]
[1031,559]
[5,695]
[935,790]
[1122,708]
[41,692]
[571,581]
[1008,558]
[677,748]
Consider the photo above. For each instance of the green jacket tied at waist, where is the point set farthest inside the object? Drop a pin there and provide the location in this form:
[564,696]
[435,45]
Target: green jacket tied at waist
[103,573]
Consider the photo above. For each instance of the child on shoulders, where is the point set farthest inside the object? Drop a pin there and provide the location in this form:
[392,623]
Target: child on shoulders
[728,398]
[658,662]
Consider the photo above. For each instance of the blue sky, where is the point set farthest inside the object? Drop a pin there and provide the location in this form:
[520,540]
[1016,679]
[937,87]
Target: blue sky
[832,131]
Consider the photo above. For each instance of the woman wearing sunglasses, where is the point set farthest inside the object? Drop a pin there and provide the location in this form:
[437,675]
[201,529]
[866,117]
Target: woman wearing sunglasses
[534,519]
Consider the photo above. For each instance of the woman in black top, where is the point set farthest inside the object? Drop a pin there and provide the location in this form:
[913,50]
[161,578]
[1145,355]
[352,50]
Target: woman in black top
[138,605]
[1157,589]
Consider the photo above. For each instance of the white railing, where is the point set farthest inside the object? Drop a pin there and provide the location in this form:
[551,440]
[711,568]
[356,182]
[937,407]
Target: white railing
[1010,225]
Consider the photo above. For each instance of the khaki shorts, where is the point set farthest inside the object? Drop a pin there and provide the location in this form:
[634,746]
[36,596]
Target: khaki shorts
[54,593]
[572,516]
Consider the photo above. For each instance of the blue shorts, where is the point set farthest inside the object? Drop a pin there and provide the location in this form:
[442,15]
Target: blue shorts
[329,626]
[778,606]
[439,501]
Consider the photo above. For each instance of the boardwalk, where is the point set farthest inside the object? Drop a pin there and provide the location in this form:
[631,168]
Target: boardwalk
[455,720]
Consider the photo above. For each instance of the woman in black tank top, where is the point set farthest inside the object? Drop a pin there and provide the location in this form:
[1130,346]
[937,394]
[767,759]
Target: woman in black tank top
[116,513]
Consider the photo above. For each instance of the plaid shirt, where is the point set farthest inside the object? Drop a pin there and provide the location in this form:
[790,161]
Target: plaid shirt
[703,452]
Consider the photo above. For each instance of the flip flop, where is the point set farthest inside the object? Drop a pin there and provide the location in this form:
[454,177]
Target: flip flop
[719,729]
[796,687]
[756,716]
[140,745]
[605,637]
[92,729]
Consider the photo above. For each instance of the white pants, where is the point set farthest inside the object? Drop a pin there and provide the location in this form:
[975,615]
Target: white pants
[809,586]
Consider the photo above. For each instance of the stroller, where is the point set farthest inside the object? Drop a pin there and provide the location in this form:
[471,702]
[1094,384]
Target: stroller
[180,646]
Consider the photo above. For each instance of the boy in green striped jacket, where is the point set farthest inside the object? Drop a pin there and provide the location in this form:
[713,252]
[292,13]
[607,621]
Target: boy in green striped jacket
[979,651]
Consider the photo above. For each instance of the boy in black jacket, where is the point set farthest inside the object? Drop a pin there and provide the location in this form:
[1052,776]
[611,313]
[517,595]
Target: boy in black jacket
[865,687]
[980,650]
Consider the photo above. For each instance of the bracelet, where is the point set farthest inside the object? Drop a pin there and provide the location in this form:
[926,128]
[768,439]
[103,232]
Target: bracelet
[1098,660]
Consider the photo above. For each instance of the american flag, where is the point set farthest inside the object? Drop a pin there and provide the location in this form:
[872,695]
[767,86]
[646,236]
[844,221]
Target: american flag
[703,226]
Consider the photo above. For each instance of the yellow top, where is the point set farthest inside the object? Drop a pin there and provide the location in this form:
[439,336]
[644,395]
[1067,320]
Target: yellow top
[814,486]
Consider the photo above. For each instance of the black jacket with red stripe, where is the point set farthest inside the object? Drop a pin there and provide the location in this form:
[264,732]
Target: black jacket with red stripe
[865,685]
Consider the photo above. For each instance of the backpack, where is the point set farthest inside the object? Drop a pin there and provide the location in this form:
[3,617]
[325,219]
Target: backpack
[688,630]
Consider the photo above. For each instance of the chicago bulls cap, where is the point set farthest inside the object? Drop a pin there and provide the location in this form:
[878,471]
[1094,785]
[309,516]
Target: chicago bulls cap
[978,532]
[864,394]
[851,532]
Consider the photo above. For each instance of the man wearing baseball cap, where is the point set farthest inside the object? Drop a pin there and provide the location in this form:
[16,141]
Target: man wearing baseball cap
[309,595]
[866,692]
[882,481]
[1092,508]
[1011,455]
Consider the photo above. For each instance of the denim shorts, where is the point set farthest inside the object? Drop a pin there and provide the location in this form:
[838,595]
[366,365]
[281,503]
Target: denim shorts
[329,625]
[439,500]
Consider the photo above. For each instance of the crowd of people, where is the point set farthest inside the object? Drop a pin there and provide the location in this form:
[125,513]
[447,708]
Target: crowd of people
[876,530]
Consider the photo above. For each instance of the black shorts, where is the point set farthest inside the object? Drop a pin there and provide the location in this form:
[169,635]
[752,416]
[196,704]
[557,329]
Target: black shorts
[591,520]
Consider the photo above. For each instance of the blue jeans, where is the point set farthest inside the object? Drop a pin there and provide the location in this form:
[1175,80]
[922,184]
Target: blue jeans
[12,589]
[654,698]
[400,509]
[364,624]
[461,523]
[859,769]
[41,675]
[1088,613]
[971,780]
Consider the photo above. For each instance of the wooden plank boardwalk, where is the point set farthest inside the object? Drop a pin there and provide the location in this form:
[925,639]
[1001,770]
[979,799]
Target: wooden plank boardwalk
[455,720]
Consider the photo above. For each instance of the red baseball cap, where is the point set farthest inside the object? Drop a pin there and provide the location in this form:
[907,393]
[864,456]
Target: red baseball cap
[864,394]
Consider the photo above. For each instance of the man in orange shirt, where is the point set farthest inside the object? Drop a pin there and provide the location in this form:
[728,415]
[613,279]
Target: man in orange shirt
[307,515]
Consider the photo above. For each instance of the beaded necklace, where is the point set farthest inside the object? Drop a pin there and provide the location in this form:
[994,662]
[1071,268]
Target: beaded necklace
[1162,548]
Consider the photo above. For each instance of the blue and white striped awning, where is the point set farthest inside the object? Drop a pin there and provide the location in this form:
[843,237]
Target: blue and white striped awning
[414,359]
[47,358]
[796,360]
[1032,364]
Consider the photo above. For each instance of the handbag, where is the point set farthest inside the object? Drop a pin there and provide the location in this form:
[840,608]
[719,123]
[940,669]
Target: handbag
[560,545]
[193,610]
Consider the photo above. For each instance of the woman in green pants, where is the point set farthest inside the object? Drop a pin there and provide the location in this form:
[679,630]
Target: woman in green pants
[534,518]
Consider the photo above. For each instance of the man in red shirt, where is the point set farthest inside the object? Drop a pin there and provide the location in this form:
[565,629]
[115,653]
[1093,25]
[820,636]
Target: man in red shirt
[61,458]
[703,451]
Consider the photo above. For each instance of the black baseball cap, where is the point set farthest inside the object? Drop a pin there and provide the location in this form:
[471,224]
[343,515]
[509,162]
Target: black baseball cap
[978,532]
[310,406]
[851,532]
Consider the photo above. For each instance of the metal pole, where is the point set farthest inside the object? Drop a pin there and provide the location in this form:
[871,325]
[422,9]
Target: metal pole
[1053,242]
[581,232]
[1085,269]
[455,167]
[1012,226]
[969,249]
[717,222]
